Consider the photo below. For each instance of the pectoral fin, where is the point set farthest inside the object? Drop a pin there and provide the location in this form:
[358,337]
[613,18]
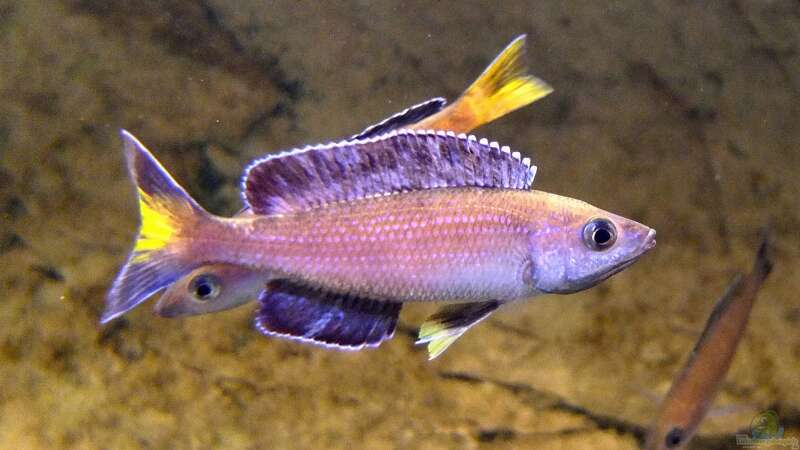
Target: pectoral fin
[313,316]
[449,323]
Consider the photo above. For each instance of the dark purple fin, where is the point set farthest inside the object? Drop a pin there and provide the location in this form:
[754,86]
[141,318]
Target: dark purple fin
[398,161]
[403,119]
[304,314]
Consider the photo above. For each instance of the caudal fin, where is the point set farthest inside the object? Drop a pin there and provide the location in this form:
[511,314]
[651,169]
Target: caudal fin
[503,87]
[166,212]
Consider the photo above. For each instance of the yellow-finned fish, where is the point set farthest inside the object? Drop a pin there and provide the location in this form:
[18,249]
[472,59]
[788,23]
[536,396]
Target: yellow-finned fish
[502,87]
[344,234]
[348,232]
[697,383]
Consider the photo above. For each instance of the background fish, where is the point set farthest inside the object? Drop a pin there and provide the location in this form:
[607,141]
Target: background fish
[502,87]
[352,230]
[211,288]
[697,383]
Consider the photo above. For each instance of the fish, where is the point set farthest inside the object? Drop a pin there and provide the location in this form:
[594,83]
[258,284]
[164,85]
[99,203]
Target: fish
[501,88]
[697,383]
[504,86]
[351,231]
[211,288]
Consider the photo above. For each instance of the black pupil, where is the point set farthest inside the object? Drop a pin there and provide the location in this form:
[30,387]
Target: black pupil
[599,234]
[602,236]
[203,289]
[674,437]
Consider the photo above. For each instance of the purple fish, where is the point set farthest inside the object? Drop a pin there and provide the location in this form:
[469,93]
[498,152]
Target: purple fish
[502,87]
[343,249]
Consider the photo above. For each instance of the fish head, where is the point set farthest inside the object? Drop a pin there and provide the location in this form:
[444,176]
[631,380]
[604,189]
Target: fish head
[211,288]
[676,423]
[669,436]
[577,245]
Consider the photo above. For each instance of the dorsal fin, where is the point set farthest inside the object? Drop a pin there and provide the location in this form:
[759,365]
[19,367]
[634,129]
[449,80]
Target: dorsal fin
[399,161]
[403,119]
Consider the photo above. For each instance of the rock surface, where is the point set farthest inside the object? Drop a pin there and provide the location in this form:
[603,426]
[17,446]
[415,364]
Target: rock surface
[680,115]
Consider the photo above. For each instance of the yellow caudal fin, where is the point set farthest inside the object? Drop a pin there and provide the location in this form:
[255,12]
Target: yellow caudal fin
[166,210]
[503,87]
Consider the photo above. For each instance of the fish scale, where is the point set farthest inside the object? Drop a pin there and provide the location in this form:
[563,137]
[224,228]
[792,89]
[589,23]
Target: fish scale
[443,244]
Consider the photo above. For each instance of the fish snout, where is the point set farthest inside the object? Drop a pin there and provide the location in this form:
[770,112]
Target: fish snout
[636,237]
[649,241]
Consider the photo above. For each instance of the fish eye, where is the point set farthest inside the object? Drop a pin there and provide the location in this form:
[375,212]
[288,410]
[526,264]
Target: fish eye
[204,287]
[599,234]
[674,438]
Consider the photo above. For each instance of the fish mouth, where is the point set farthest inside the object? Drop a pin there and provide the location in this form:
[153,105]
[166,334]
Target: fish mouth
[648,244]
[167,313]
[166,309]
[584,283]
[649,241]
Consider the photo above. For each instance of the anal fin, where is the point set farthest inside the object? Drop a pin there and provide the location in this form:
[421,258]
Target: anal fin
[293,311]
[442,328]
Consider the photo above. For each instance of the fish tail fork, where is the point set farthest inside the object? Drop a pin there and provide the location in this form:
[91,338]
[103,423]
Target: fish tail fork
[505,85]
[167,213]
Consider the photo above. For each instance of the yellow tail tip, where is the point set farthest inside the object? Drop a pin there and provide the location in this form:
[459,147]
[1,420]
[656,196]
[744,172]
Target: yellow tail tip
[505,85]
[164,206]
